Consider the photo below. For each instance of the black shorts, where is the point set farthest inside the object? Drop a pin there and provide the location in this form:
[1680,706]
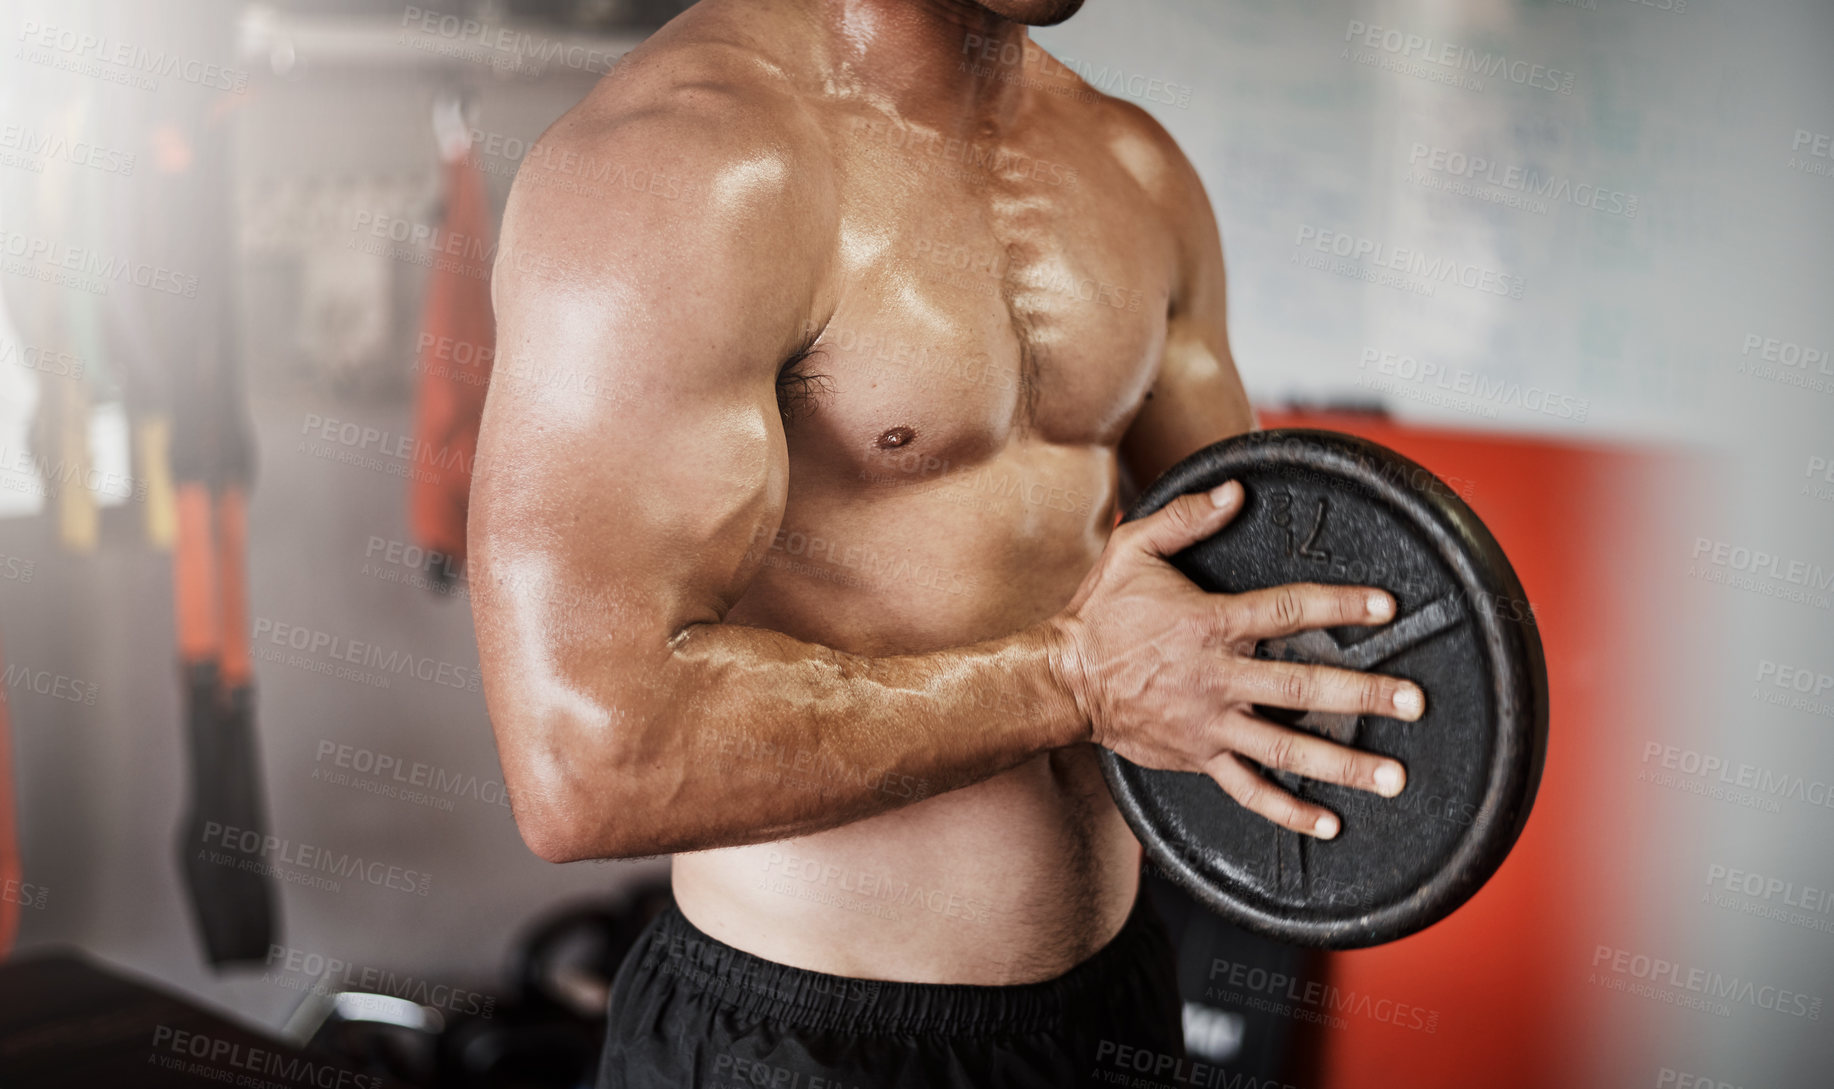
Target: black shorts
[689,1011]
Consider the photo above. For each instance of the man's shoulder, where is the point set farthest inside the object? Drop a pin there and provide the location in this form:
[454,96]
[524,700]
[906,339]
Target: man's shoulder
[691,172]
[1139,143]
[712,52]
[1159,176]
[698,98]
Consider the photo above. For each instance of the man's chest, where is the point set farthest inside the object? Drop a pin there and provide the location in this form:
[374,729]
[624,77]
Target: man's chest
[984,295]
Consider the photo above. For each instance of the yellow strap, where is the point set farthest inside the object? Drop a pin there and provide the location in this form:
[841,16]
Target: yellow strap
[152,445]
[78,519]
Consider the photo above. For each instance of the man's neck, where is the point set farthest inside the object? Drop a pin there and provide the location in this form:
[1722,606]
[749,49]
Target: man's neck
[932,61]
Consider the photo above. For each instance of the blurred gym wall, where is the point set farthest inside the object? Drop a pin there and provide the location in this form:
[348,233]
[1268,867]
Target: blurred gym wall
[335,192]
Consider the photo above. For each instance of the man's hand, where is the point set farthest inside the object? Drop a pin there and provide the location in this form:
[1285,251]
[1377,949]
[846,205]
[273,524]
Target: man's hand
[1165,674]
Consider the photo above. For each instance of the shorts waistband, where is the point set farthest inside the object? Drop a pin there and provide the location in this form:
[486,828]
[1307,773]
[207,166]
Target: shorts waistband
[816,1000]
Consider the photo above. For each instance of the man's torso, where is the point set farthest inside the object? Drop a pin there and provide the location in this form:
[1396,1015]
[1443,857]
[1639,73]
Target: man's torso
[1000,296]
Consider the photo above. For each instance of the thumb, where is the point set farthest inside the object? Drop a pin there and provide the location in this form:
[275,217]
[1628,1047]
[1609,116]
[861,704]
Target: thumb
[1189,519]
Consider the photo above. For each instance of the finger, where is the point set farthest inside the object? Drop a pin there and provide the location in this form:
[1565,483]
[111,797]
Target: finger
[1276,746]
[1301,606]
[1300,687]
[1188,519]
[1255,794]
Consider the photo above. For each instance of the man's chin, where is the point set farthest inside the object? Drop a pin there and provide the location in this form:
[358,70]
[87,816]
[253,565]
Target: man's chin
[1033,12]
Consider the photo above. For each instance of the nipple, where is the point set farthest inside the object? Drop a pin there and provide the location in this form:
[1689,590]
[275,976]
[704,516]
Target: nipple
[896,437]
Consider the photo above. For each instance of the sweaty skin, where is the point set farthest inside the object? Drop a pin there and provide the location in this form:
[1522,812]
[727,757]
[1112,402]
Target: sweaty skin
[829,332]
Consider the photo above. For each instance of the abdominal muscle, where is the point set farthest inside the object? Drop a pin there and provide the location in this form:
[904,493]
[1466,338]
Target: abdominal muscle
[1014,879]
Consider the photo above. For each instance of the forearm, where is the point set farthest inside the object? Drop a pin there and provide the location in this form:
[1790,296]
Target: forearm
[752,736]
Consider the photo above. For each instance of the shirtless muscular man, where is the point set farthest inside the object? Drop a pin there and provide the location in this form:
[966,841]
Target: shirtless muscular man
[870,313]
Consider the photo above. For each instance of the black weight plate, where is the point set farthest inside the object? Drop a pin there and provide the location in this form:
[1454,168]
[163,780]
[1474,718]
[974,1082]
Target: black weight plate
[1332,508]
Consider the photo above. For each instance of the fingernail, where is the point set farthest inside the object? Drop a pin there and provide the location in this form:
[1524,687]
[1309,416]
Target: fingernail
[1388,779]
[1381,606]
[1409,701]
[1326,828]
[1221,495]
